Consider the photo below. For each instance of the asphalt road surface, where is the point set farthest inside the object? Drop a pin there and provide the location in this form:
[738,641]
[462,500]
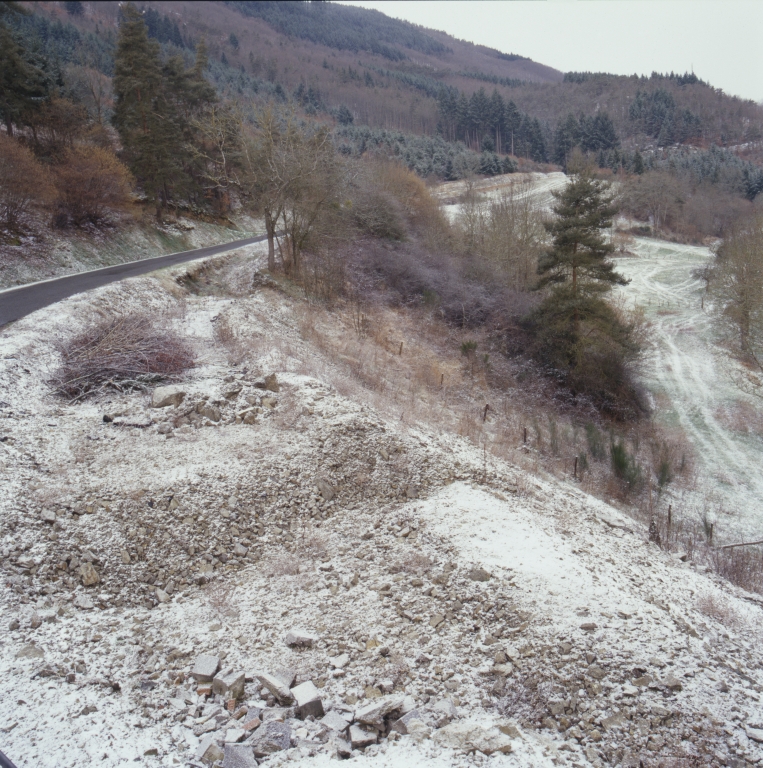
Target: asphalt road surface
[17,302]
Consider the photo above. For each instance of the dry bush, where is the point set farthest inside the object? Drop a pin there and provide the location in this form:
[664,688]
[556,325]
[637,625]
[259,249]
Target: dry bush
[219,596]
[415,562]
[91,184]
[226,336]
[121,352]
[742,566]
[720,610]
[379,214]
[23,181]
[742,417]
[409,190]
[285,564]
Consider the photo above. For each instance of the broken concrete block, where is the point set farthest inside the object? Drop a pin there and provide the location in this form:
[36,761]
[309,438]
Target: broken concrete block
[334,722]
[286,675]
[271,737]
[374,713]
[339,662]
[339,746]
[276,687]
[401,725]
[298,638]
[84,602]
[166,396]
[251,720]
[208,751]
[469,737]
[239,756]
[205,668]
[229,684]
[308,700]
[361,737]
[444,712]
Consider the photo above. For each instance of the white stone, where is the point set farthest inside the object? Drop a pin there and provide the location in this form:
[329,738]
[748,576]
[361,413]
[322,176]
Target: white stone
[165,396]
[470,737]
[307,699]
[299,638]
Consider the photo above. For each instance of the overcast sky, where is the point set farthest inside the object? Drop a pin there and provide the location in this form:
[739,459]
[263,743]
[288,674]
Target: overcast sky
[721,39]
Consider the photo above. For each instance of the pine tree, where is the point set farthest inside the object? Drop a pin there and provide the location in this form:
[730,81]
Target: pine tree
[154,111]
[577,333]
[23,86]
[579,252]
[512,120]
[567,137]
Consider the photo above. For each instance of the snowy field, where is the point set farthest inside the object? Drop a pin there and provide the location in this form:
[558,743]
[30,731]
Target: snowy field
[525,622]
[689,376]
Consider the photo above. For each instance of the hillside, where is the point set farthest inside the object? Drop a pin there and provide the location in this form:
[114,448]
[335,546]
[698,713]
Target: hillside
[452,605]
[394,75]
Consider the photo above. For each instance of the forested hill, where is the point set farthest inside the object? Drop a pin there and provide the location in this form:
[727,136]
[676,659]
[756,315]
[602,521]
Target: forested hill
[361,66]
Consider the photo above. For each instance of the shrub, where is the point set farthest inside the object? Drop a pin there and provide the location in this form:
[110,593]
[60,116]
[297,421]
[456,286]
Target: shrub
[378,214]
[91,184]
[23,181]
[595,441]
[624,465]
[121,352]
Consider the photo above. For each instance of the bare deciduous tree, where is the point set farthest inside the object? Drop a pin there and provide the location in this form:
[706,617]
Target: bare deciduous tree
[23,181]
[291,174]
[736,282]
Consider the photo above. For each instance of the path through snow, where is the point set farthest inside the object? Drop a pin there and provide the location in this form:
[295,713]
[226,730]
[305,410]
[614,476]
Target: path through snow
[688,375]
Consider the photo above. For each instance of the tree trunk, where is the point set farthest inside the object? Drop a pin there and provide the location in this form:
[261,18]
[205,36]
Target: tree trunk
[744,330]
[270,228]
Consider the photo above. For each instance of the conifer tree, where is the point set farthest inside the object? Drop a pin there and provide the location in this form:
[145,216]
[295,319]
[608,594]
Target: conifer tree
[577,333]
[154,110]
[23,86]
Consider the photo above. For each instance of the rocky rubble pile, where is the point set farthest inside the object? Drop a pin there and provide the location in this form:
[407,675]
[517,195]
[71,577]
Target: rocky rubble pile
[289,715]
[141,545]
[250,567]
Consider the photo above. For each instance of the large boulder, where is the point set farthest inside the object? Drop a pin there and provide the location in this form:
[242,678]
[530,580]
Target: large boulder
[471,737]
[308,700]
[271,737]
[375,712]
[163,397]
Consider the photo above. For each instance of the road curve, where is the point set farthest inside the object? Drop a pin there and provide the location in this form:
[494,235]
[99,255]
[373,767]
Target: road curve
[17,302]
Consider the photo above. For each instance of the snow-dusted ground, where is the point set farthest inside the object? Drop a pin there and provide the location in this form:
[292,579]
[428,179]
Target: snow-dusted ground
[586,643]
[538,185]
[689,375]
[52,253]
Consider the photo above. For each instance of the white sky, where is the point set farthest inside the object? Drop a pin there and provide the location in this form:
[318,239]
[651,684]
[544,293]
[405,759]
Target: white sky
[721,39]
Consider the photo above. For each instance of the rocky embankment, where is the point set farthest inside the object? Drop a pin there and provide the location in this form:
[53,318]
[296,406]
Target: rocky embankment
[249,567]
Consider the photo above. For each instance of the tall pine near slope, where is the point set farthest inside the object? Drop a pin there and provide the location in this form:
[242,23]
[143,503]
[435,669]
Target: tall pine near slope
[23,85]
[578,335]
[154,111]
[137,91]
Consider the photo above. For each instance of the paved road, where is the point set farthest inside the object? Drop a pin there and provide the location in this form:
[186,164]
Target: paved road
[17,302]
